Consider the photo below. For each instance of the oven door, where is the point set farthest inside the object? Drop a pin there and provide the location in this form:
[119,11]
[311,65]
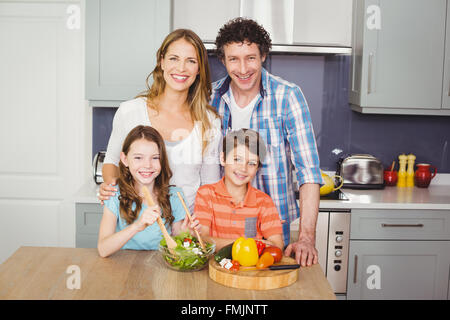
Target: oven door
[321,237]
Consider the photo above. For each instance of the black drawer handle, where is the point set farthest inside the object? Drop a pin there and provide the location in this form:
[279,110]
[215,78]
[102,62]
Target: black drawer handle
[419,225]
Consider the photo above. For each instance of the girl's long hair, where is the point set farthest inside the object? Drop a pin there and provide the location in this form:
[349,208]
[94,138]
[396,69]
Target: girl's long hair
[128,194]
[199,92]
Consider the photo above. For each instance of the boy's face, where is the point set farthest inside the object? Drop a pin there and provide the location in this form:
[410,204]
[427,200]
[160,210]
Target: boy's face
[240,165]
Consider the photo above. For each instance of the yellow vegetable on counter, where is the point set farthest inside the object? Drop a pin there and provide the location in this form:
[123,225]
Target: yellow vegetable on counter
[245,251]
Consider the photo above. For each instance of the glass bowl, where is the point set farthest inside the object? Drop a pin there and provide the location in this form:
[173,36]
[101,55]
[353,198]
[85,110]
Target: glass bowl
[184,260]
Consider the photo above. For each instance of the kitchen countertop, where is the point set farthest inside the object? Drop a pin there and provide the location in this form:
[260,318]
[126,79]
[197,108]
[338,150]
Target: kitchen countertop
[42,273]
[436,196]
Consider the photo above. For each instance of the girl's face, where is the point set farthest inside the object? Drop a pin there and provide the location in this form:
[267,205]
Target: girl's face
[180,65]
[143,161]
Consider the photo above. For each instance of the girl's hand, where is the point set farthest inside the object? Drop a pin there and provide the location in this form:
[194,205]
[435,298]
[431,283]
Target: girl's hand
[147,218]
[107,190]
[195,225]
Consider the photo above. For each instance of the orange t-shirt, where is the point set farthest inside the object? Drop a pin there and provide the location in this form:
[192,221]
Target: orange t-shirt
[255,217]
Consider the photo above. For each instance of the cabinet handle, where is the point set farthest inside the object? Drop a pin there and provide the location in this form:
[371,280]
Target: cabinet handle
[419,225]
[355,270]
[369,74]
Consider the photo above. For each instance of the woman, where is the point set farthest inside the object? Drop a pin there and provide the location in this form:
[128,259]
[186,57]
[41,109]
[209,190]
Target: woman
[177,106]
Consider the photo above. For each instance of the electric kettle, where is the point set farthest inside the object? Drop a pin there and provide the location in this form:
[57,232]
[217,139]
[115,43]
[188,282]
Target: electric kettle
[97,166]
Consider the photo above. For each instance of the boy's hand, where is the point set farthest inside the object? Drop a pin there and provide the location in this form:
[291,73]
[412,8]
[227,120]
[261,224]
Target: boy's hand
[147,218]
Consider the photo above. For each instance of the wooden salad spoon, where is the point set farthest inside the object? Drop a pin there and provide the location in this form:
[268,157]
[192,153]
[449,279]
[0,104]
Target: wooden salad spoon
[171,244]
[192,221]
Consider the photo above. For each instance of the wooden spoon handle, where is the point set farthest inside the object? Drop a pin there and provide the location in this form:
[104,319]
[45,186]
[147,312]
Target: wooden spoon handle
[170,242]
[190,219]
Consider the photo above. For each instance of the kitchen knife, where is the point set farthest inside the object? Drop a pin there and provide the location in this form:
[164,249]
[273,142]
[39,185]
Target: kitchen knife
[273,267]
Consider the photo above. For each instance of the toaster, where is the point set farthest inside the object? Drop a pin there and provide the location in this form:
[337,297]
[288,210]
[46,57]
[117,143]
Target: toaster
[97,166]
[361,171]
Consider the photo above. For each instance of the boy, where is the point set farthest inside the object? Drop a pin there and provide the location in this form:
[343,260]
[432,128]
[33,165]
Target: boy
[232,207]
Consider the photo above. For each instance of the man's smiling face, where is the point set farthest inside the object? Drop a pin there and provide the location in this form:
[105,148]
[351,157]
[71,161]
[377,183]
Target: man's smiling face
[243,62]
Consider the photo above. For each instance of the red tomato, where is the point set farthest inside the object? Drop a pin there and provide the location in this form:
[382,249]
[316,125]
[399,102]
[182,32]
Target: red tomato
[260,245]
[275,252]
[235,266]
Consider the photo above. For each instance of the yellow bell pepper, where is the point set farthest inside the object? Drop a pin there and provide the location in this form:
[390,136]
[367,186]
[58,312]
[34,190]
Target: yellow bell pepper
[245,251]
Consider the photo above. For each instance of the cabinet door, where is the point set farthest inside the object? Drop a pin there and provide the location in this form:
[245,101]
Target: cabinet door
[122,38]
[205,18]
[446,84]
[407,269]
[402,60]
[323,22]
[88,218]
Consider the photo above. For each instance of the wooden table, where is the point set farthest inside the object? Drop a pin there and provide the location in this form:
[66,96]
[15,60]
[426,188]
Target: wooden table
[41,273]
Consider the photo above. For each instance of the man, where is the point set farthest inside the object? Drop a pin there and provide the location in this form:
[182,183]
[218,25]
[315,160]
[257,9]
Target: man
[250,97]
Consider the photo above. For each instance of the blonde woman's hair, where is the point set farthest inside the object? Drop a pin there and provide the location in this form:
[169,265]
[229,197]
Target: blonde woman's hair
[199,92]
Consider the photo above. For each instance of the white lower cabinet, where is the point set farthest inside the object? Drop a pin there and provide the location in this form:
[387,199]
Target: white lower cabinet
[398,270]
[399,254]
[88,217]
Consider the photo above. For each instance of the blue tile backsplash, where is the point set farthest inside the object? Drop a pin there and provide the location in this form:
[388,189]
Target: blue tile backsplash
[324,81]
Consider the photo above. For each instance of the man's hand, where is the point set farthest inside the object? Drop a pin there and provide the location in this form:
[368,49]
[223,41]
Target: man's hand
[305,252]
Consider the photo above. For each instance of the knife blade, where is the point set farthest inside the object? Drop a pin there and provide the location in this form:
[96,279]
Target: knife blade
[273,267]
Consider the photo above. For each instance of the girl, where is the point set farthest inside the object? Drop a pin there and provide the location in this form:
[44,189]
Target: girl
[176,104]
[128,222]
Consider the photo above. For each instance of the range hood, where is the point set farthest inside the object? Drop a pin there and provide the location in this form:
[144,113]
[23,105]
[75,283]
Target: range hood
[302,26]
[297,49]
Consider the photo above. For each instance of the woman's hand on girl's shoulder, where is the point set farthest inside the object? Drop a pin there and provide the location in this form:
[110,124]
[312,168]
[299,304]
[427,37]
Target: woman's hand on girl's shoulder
[147,218]
[106,191]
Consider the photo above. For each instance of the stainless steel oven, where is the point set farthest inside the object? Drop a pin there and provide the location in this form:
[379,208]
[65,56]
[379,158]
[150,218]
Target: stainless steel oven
[332,244]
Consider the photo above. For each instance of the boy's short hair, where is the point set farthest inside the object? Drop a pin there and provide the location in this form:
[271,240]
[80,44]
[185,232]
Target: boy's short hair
[240,30]
[247,137]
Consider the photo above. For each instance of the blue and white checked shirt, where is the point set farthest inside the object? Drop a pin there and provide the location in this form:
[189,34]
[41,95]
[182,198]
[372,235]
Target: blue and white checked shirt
[281,116]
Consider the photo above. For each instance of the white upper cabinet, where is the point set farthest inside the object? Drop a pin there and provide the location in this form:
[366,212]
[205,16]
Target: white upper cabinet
[398,57]
[323,22]
[446,83]
[205,18]
[122,38]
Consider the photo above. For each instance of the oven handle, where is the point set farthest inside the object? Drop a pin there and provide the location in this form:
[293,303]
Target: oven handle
[355,270]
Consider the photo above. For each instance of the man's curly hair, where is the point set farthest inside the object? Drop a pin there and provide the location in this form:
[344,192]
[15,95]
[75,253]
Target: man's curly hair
[240,30]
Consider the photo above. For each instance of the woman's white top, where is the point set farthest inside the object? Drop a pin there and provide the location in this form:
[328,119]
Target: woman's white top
[190,168]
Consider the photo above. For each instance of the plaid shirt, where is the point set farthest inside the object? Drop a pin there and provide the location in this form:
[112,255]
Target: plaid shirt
[282,118]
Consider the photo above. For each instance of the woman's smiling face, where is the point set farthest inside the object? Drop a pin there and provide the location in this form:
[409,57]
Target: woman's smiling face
[180,65]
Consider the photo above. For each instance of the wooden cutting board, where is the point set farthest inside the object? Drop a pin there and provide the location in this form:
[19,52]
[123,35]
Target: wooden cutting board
[254,280]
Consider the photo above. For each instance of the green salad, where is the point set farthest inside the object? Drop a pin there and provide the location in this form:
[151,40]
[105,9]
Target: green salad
[188,254]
